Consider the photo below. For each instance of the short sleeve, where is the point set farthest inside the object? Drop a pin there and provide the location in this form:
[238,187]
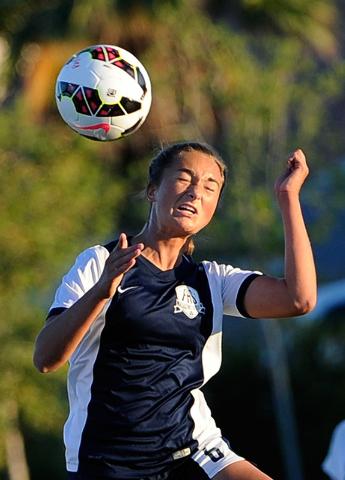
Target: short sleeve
[230,284]
[81,277]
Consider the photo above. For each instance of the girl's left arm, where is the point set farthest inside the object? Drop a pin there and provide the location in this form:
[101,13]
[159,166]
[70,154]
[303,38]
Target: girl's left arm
[296,294]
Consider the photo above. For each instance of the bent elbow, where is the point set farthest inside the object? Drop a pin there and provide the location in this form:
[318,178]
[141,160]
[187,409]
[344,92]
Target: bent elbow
[42,365]
[44,368]
[306,306]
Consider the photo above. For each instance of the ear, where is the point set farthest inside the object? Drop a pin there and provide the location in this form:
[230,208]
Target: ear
[151,193]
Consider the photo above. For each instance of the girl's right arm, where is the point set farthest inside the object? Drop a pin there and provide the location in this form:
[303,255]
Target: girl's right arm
[62,333]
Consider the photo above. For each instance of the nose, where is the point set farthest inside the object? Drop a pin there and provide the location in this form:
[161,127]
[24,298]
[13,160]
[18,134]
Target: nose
[194,192]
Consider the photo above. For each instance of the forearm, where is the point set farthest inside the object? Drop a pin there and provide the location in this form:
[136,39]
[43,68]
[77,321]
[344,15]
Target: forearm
[62,334]
[300,275]
[296,293]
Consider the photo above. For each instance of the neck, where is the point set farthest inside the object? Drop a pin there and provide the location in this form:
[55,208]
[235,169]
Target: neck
[165,253]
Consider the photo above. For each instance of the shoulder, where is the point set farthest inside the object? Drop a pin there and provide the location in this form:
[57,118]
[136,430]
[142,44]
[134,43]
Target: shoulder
[231,283]
[97,254]
[85,272]
[89,264]
[224,271]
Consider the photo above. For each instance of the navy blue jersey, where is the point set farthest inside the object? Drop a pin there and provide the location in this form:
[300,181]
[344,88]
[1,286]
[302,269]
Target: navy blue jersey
[134,381]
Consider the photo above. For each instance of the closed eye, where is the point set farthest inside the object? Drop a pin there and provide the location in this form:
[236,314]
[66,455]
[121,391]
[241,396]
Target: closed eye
[185,180]
[211,186]
[184,177]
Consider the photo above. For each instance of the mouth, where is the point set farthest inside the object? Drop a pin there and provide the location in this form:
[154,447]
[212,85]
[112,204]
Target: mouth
[186,208]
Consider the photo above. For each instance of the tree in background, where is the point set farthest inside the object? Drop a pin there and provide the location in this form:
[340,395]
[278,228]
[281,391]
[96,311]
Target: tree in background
[54,199]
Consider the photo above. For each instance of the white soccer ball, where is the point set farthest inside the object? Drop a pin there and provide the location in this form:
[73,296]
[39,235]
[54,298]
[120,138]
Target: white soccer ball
[103,93]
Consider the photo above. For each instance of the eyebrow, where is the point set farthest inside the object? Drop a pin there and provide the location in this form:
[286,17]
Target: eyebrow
[191,173]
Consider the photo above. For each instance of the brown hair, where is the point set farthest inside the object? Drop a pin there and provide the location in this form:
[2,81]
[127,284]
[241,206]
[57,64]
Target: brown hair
[169,154]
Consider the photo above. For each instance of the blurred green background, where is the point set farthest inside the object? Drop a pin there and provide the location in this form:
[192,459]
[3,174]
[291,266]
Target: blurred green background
[255,78]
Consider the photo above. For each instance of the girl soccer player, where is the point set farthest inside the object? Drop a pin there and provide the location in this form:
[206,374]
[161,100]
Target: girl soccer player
[140,324]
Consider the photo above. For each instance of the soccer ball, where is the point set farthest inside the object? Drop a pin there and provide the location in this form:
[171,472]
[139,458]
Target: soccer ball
[103,93]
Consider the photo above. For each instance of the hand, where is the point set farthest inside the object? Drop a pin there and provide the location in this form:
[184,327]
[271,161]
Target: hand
[120,260]
[295,174]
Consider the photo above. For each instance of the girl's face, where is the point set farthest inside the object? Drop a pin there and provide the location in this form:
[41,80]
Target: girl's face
[187,196]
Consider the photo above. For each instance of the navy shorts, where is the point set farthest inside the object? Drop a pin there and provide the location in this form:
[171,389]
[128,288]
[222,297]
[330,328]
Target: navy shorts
[204,464]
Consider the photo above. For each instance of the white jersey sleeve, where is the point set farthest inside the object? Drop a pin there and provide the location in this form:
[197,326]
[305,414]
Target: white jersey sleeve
[82,276]
[226,283]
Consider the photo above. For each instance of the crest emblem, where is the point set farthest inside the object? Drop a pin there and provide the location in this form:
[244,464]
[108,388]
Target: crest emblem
[188,301]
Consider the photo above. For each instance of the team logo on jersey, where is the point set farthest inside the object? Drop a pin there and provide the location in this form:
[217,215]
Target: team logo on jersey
[188,301]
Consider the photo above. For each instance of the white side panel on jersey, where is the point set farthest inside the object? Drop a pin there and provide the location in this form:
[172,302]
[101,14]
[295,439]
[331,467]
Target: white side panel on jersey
[205,427]
[82,276]
[224,282]
[79,382]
